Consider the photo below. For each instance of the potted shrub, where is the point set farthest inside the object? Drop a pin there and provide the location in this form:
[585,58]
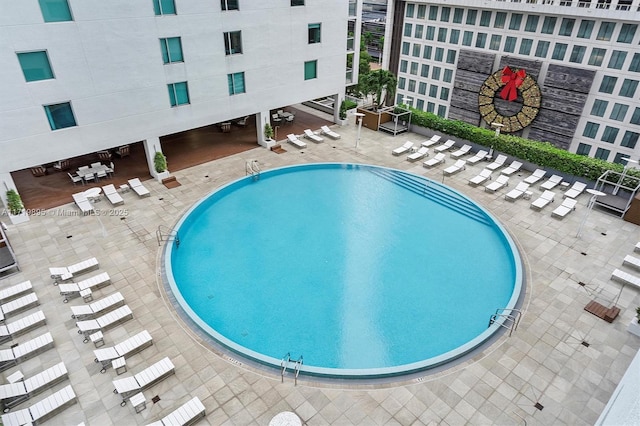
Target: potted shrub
[160,165]
[634,325]
[268,131]
[16,207]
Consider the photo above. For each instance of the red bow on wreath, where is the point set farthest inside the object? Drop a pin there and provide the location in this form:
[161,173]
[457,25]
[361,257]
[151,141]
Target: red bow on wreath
[512,81]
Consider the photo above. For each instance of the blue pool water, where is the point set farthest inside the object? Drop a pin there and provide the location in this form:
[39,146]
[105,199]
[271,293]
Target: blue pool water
[362,270]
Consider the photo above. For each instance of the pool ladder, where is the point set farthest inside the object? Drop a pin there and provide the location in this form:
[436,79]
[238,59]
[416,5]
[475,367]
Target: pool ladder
[252,168]
[286,360]
[510,319]
[164,233]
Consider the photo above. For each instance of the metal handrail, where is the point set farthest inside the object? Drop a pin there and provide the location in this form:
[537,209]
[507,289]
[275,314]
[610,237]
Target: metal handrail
[515,319]
[299,363]
[164,233]
[283,365]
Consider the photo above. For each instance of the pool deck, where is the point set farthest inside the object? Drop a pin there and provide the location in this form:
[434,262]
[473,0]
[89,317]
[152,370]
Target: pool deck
[545,361]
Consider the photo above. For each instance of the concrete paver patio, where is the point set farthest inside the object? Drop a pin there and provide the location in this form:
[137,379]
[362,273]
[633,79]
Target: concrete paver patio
[543,362]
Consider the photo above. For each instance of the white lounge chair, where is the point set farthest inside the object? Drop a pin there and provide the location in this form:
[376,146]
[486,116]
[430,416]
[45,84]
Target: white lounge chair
[293,140]
[18,305]
[330,133]
[576,189]
[82,202]
[104,322]
[517,192]
[637,247]
[71,290]
[497,184]
[551,183]
[459,165]
[98,307]
[480,155]
[310,135]
[482,177]
[462,151]
[138,187]
[422,152]
[497,163]
[187,414]
[632,262]
[568,205]
[66,273]
[541,202]
[25,350]
[13,394]
[112,194]
[406,147]
[434,140]
[42,410]
[445,146]
[14,291]
[535,176]
[21,326]
[625,278]
[128,386]
[513,167]
[437,159]
[125,349]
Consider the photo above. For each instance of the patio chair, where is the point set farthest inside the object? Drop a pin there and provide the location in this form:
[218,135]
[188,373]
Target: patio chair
[242,122]
[535,176]
[276,119]
[310,135]
[21,326]
[330,133]
[24,351]
[289,118]
[497,184]
[112,195]
[422,152]
[445,146]
[543,200]
[62,165]
[75,179]
[65,273]
[551,183]
[225,127]
[42,410]
[128,386]
[513,167]
[18,305]
[517,192]
[434,140]
[293,140]
[123,151]
[576,189]
[406,147]
[188,413]
[16,393]
[98,307]
[14,291]
[568,205]
[458,166]
[104,155]
[480,155]
[497,163]
[38,171]
[138,187]
[437,159]
[111,169]
[482,177]
[460,152]
[125,349]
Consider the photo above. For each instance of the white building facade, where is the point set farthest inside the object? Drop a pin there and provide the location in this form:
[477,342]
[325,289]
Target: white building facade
[80,76]
[584,56]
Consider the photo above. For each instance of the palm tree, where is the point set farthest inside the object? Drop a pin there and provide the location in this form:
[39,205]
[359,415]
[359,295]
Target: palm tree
[375,82]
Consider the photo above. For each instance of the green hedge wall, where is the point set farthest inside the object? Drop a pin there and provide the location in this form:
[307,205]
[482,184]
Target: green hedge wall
[541,153]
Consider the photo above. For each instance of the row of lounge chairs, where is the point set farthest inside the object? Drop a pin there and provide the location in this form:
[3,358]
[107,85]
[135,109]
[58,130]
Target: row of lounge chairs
[25,350]
[12,394]
[309,134]
[112,194]
[41,410]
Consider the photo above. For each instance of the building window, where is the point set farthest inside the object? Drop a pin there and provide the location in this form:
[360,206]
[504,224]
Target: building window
[442,35]
[583,149]
[494,44]
[422,11]
[444,14]
[297,2]
[233,42]
[635,118]
[405,48]
[610,134]
[60,116]
[549,24]
[35,66]
[532,23]
[516,21]
[412,86]
[310,70]
[457,15]
[314,33]
[510,44]
[617,59]
[501,18]
[164,7]
[586,28]
[439,54]
[454,36]
[451,56]
[178,93]
[619,112]
[444,93]
[467,37]
[597,56]
[442,111]
[431,32]
[618,158]
[233,4]
[433,91]
[629,139]
[542,49]
[485,18]
[407,29]
[419,31]
[414,68]
[422,88]
[608,84]
[236,83]
[472,14]
[403,66]
[401,82]
[435,73]
[627,32]
[410,10]
[525,46]
[577,54]
[606,29]
[481,40]
[590,130]
[602,154]
[431,107]
[599,107]
[628,89]
[635,63]
[171,50]
[447,76]
[433,13]
[55,10]
[424,71]
[426,53]
[420,104]
[566,28]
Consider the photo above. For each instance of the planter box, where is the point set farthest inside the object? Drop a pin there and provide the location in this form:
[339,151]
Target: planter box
[634,327]
[268,143]
[162,175]
[20,218]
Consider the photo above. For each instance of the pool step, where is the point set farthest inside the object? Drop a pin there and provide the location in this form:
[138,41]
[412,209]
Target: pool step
[434,192]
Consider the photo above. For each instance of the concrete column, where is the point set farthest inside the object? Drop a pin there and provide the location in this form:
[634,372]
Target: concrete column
[151,146]
[337,101]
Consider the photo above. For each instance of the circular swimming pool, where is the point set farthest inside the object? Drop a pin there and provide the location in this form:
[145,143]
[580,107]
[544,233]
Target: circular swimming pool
[362,271]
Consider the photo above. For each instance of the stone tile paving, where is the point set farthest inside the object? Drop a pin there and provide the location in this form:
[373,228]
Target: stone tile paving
[544,361]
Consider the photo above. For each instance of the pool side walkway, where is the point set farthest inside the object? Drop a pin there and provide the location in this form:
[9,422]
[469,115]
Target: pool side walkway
[545,361]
